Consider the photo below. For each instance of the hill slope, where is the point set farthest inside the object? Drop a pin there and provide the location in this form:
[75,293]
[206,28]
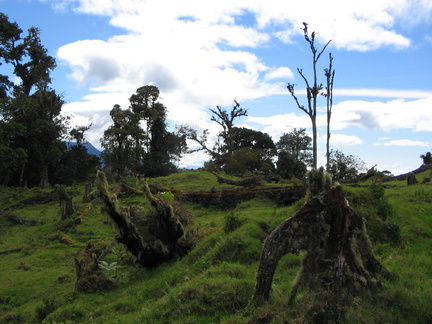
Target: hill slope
[215,282]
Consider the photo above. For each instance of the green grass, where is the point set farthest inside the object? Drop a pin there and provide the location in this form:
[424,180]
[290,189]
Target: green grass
[214,283]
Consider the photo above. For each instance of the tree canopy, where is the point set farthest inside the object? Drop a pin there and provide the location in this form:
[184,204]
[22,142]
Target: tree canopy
[138,141]
[32,128]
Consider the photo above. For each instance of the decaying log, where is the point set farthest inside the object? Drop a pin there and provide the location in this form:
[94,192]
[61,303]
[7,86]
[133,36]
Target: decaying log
[23,220]
[246,182]
[338,250]
[154,242]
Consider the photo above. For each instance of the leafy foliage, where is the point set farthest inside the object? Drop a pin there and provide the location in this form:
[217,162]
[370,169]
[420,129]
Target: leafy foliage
[131,149]
[345,168]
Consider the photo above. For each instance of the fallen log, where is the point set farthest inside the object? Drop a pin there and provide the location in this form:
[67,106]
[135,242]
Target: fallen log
[246,182]
[23,220]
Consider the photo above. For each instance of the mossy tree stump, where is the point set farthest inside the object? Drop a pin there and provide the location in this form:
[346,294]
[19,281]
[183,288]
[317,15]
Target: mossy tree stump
[338,257]
[152,244]
[65,201]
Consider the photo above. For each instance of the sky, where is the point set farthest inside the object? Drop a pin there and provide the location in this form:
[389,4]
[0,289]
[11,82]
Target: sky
[201,54]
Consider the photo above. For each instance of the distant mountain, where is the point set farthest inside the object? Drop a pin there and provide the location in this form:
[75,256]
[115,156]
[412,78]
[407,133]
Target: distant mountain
[90,148]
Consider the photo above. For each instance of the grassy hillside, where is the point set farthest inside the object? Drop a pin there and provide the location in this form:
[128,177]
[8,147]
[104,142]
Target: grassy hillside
[215,281]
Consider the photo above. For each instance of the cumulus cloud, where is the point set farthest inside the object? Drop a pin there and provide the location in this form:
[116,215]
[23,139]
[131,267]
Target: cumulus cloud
[345,140]
[403,142]
[392,115]
[279,73]
[203,54]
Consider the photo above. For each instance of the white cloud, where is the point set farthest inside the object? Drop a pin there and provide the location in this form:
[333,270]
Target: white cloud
[277,125]
[404,142]
[279,73]
[392,115]
[383,93]
[199,55]
[344,140]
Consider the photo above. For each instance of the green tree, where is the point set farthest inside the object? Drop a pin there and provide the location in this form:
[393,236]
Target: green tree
[138,142]
[225,145]
[297,143]
[252,151]
[75,163]
[313,89]
[427,158]
[294,154]
[121,151]
[289,166]
[345,168]
[31,125]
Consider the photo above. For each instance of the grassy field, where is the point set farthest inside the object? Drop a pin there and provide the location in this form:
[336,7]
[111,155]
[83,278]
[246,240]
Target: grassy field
[214,283]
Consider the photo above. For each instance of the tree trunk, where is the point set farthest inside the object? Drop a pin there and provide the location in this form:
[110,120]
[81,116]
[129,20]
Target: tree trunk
[339,253]
[65,201]
[87,192]
[44,182]
[314,143]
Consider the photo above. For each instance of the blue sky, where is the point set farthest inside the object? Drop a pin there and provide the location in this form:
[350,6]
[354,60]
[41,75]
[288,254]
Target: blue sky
[205,53]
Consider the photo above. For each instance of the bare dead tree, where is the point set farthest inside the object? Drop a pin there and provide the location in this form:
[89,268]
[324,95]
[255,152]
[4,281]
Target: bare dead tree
[226,120]
[312,90]
[330,74]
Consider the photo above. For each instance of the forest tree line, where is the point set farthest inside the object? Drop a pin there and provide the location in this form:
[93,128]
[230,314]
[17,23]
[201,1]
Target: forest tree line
[35,136]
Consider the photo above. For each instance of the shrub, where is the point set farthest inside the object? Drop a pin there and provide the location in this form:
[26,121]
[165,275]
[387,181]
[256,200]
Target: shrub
[232,222]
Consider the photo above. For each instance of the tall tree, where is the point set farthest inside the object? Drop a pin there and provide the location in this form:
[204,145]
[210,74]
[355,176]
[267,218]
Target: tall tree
[121,151]
[252,151]
[298,143]
[313,89]
[138,141]
[31,122]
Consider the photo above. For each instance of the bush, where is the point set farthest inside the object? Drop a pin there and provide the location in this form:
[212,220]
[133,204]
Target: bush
[232,222]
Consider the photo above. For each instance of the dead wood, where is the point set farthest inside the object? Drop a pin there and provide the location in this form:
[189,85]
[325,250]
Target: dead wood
[246,182]
[23,220]
[157,238]
[338,257]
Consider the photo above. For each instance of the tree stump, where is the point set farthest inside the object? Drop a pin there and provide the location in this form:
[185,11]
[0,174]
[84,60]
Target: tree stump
[411,179]
[339,253]
[153,243]
[87,192]
[66,203]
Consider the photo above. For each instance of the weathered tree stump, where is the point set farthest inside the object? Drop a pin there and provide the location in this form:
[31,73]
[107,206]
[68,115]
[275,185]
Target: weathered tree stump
[89,277]
[339,255]
[153,243]
[88,192]
[411,179]
[65,201]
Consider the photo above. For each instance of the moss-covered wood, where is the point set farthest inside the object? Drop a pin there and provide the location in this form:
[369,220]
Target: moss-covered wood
[23,220]
[252,181]
[338,250]
[65,201]
[157,239]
